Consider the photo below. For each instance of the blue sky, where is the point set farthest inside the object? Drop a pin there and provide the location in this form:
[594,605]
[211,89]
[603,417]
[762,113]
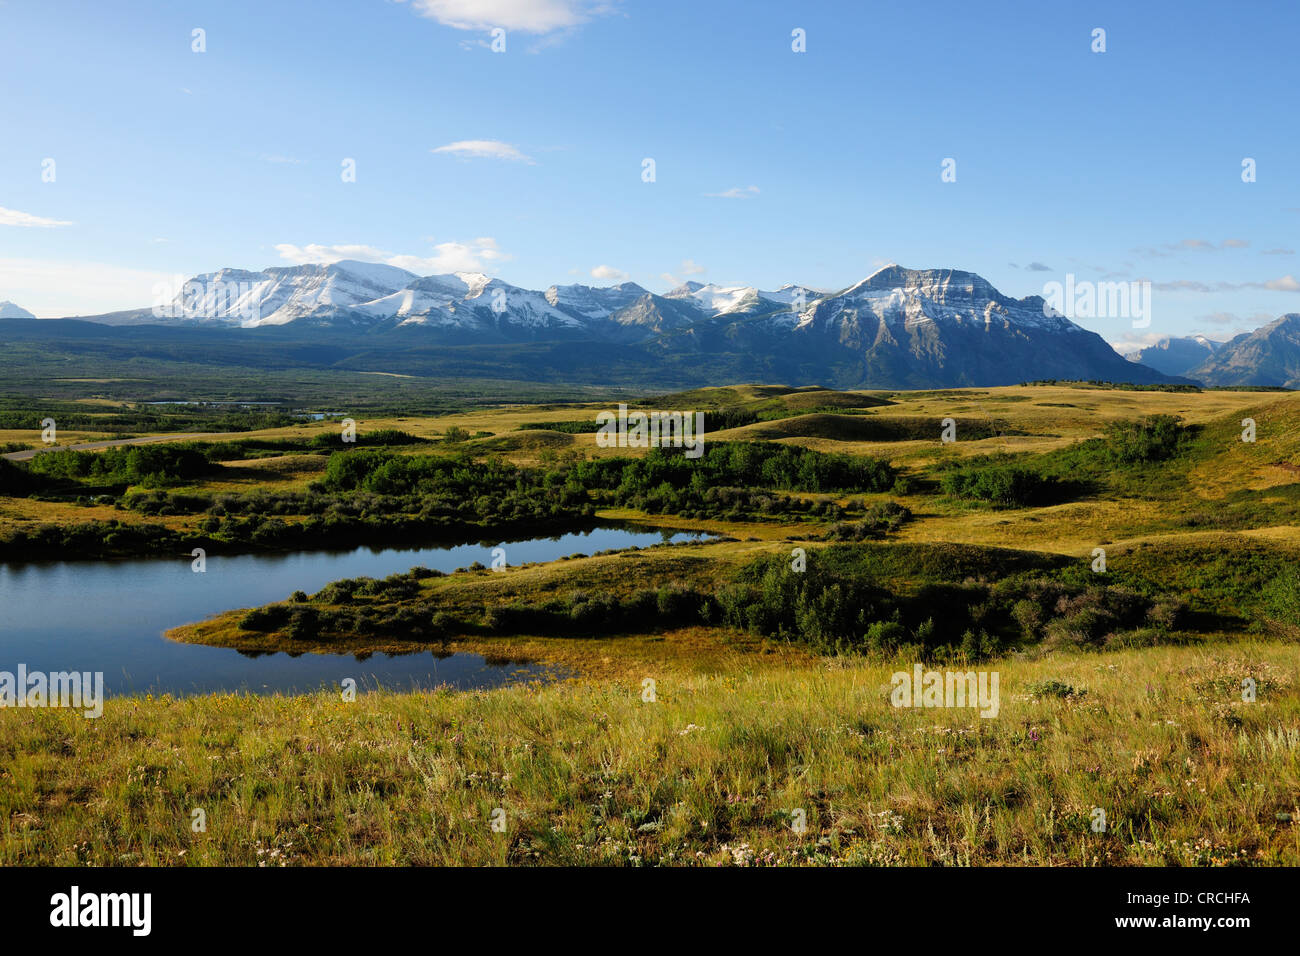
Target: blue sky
[771,166]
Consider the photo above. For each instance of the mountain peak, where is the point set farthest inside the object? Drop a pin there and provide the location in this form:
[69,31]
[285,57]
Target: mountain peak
[1289,322]
[372,270]
[9,310]
[936,283]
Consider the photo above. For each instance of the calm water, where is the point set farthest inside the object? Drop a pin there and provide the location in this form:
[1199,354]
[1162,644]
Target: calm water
[110,616]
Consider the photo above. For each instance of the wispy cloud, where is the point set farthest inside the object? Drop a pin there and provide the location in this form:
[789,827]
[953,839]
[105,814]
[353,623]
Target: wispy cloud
[1232,318]
[277,158]
[12,217]
[528,16]
[689,267]
[484,149]
[1191,245]
[736,192]
[1286,283]
[475,255]
[1278,252]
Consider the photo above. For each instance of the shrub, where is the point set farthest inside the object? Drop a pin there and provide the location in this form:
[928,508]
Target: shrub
[1004,485]
[885,636]
[1168,614]
[269,618]
[1052,688]
[1153,438]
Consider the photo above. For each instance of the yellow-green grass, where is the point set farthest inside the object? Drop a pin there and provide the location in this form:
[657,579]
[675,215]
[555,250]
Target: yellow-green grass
[711,772]
[1053,416]
[32,437]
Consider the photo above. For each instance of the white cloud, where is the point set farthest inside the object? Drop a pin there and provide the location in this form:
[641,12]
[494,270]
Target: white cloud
[12,217]
[1131,343]
[609,273]
[315,252]
[484,149]
[528,16]
[53,289]
[475,255]
[736,192]
[277,158]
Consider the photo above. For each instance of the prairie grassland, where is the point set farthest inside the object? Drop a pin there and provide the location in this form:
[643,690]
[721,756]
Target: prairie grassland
[745,730]
[1039,419]
[711,772]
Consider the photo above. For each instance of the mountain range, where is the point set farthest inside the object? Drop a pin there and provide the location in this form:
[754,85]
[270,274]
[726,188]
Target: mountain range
[897,328]
[1268,356]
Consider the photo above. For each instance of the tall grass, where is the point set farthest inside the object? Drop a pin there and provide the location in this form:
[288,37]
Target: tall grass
[711,772]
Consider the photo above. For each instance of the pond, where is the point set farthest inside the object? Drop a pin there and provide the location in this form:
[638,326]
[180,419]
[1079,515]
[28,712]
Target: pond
[110,616]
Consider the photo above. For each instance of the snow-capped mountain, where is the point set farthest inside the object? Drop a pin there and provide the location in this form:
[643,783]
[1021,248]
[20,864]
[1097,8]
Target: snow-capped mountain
[10,311]
[727,300]
[896,328]
[930,328]
[591,302]
[469,303]
[905,298]
[278,296]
